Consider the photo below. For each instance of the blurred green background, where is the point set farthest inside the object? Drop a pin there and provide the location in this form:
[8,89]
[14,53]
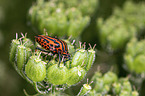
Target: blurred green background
[13,19]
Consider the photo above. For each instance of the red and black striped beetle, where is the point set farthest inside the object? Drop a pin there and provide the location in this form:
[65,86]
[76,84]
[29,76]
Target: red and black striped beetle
[54,45]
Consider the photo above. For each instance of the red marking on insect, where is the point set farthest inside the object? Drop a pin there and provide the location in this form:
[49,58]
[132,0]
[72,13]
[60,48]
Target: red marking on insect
[55,45]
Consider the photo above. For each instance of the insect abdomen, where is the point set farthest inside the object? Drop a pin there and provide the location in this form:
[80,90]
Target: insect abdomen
[53,44]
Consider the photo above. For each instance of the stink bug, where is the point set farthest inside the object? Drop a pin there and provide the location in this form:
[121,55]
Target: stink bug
[54,45]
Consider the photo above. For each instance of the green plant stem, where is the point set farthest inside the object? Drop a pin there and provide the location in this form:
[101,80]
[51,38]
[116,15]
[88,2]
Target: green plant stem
[37,89]
[22,74]
[41,84]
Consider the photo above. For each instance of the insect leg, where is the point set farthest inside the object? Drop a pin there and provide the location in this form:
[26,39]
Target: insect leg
[66,61]
[41,49]
[50,57]
[45,55]
[59,59]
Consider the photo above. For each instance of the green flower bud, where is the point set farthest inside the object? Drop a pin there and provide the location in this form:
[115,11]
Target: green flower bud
[84,90]
[28,53]
[121,37]
[74,28]
[134,56]
[116,88]
[40,21]
[35,69]
[84,22]
[50,25]
[139,64]
[106,88]
[135,93]
[99,85]
[109,77]
[103,29]
[73,13]
[94,78]
[33,14]
[91,58]
[129,61]
[52,62]
[21,56]
[124,93]
[134,47]
[126,86]
[28,43]
[75,75]
[13,48]
[96,75]
[89,5]
[61,24]
[71,48]
[109,29]
[68,64]
[80,58]
[57,75]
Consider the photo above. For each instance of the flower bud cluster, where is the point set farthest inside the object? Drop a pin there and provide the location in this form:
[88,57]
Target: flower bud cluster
[74,70]
[121,26]
[135,56]
[110,84]
[62,18]
[20,51]
[37,67]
